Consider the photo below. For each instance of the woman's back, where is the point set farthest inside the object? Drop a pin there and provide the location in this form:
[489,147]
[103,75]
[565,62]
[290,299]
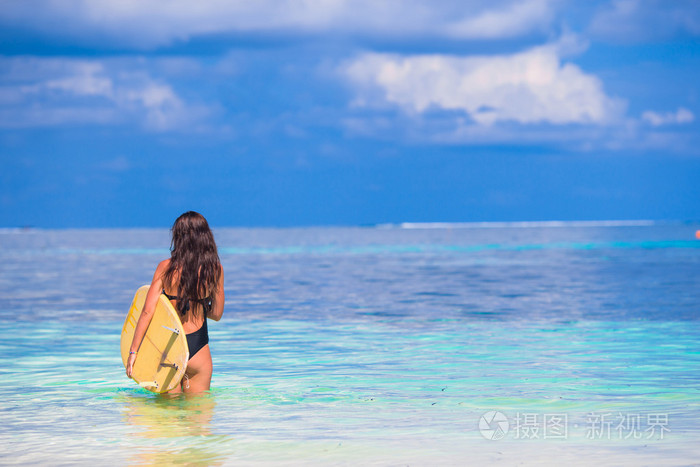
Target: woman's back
[192,278]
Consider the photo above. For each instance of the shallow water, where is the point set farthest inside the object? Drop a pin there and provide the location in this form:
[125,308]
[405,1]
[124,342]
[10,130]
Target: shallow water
[367,345]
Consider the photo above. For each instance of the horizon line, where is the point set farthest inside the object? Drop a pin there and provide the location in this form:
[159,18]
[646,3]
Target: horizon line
[406,225]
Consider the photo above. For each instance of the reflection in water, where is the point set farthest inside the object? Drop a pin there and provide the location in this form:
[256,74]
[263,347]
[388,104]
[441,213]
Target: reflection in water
[175,429]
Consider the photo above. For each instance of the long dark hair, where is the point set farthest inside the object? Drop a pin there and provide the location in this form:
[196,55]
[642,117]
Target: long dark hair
[194,262]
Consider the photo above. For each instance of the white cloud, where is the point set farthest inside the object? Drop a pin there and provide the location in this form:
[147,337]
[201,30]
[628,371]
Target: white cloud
[680,116]
[50,91]
[84,79]
[634,20]
[530,87]
[151,23]
[510,21]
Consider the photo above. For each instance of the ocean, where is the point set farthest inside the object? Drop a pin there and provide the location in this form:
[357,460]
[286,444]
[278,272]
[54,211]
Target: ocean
[413,344]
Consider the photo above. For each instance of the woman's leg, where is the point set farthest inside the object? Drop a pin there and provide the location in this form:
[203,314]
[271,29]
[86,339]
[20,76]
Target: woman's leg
[199,369]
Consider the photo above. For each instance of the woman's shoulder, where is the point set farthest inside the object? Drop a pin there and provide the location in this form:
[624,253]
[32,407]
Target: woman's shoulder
[163,265]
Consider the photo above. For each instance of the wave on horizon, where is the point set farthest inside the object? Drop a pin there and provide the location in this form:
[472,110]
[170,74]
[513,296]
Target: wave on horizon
[519,224]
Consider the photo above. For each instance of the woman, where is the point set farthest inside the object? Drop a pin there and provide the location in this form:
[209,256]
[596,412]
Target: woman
[193,280]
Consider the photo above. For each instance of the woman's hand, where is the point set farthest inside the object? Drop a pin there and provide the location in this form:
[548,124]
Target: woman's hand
[130,364]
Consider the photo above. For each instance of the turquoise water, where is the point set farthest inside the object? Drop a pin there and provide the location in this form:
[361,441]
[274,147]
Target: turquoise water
[377,346]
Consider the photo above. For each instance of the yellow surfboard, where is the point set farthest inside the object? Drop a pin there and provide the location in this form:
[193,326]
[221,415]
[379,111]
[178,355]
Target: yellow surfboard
[163,355]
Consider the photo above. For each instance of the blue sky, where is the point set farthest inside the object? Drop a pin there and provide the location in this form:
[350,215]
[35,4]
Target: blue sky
[331,112]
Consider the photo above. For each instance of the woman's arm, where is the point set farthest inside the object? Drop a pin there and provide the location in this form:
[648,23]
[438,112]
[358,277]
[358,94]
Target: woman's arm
[149,308]
[218,309]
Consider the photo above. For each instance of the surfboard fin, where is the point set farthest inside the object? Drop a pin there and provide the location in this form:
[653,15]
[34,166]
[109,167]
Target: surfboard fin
[149,384]
[176,331]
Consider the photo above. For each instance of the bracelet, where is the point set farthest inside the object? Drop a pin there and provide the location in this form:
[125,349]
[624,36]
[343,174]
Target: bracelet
[131,352]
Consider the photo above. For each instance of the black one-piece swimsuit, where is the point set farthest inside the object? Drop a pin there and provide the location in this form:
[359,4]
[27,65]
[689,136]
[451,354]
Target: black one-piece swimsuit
[198,339]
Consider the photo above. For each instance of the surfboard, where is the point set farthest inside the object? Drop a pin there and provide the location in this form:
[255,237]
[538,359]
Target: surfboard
[163,355]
